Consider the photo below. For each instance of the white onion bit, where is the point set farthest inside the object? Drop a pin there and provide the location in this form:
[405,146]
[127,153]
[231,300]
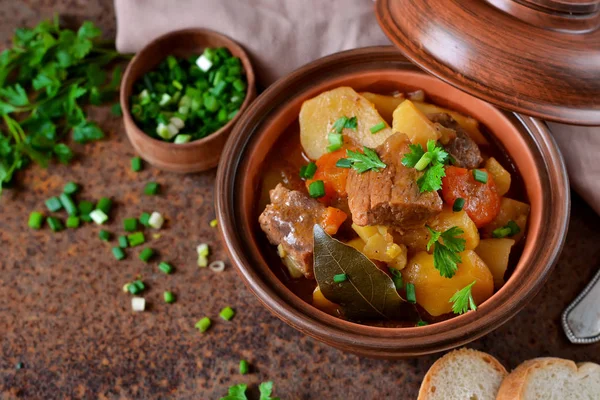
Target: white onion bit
[138,303]
[217,266]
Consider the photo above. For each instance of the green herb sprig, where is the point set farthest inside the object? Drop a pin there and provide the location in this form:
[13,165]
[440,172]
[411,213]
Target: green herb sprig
[431,162]
[445,252]
[463,300]
[361,162]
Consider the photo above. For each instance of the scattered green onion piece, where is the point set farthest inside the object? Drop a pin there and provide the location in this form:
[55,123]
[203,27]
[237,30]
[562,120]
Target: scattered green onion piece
[85,208]
[397,278]
[422,323]
[104,235]
[165,267]
[203,324]
[244,367]
[144,219]
[376,128]
[123,242]
[316,189]
[136,164]
[340,278]
[336,140]
[343,163]
[239,85]
[480,176]
[36,219]
[458,204]
[214,223]
[98,216]
[71,188]
[203,250]
[73,222]
[55,224]
[151,188]
[53,204]
[68,204]
[308,171]
[411,297]
[514,228]
[135,239]
[182,138]
[136,287]
[169,297]
[130,224]
[118,253]
[500,233]
[424,161]
[104,204]
[227,313]
[146,254]
[177,85]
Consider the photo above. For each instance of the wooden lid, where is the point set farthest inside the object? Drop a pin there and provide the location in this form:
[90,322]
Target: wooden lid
[536,57]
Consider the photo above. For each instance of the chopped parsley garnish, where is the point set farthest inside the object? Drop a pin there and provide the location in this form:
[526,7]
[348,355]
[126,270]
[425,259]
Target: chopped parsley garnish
[361,162]
[344,122]
[430,161]
[445,252]
[463,300]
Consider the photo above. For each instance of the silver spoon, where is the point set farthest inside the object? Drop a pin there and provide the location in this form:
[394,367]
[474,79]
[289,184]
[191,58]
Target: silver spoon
[581,320]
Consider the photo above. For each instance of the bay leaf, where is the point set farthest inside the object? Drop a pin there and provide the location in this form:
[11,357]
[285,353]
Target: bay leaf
[367,292]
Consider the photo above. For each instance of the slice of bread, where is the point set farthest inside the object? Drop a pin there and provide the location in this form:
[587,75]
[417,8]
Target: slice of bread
[552,378]
[463,374]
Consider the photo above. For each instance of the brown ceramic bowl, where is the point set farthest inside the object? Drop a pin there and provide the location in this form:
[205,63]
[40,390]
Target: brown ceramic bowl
[526,140]
[198,155]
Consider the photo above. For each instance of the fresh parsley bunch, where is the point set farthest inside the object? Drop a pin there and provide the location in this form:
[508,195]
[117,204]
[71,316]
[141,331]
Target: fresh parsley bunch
[44,79]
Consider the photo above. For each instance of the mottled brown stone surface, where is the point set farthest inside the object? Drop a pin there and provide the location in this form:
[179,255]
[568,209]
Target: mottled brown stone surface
[63,315]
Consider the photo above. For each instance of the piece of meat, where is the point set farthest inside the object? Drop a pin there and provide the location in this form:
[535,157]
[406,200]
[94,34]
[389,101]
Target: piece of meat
[390,197]
[463,149]
[289,221]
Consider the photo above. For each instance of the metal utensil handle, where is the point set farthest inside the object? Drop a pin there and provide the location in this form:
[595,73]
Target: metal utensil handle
[581,320]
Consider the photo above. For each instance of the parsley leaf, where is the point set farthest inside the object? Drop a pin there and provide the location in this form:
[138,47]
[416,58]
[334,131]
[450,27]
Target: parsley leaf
[236,392]
[430,161]
[87,131]
[345,122]
[362,162]
[15,95]
[463,300]
[445,251]
[265,389]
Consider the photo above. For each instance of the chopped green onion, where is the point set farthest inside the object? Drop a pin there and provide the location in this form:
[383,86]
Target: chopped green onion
[177,85]
[68,204]
[336,140]
[135,239]
[244,367]
[340,278]
[203,324]
[136,164]
[55,224]
[104,204]
[73,222]
[118,253]
[376,128]
[144,219]
[98,216]
[316,189]
[71,188]
[136,287]
[410,293]
[165,267]
[182,138]
[480,176]
[53,204]
[146,254]
[169,297]
[203,250]
[156,220]
[422,323]
[308,171]
[123,242]
[130,224]
[501,232]
[239,85]
[514,228]
[227,313]
[151,188]
[397,278]
[458,204]
[36,219]
[214,223]
[343,163]
[85,208]
[104,235]
[424,161]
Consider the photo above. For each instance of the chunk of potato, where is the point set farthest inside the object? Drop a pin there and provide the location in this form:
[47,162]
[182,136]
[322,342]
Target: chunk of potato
[448,218]
[321,302]
[318,115]
[509,210]
[470,125]
[385,105]
[415,239]
[501,176]
[379,245]
[433,291]
[495,253]
[410,120]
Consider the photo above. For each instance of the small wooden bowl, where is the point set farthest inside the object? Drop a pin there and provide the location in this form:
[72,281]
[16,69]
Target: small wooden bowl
[525,139]
[198,155]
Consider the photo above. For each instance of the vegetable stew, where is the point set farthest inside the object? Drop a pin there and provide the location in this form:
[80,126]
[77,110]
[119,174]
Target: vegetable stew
[387,209]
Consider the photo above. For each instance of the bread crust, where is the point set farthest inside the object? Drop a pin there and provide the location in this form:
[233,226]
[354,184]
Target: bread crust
[441,364]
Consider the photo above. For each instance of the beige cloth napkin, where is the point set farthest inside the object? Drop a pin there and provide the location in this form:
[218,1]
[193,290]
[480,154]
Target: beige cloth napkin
[282,35]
